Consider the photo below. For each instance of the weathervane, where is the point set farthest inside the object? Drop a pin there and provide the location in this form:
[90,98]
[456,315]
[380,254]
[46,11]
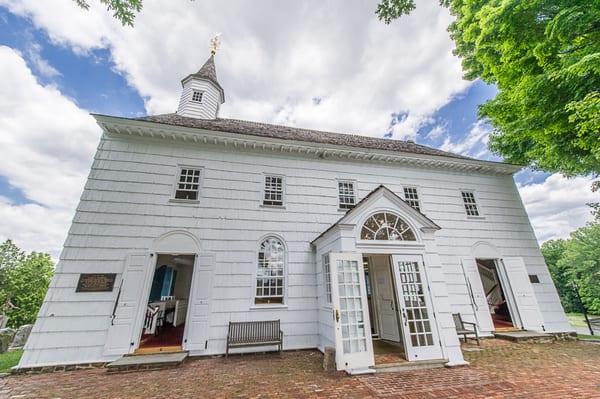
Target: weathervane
[215,43]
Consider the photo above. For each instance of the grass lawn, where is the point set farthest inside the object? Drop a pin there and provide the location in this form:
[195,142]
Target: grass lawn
[577,319]
[9,359]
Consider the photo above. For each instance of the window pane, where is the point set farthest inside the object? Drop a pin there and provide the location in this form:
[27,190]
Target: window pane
[188,184]
[273,193]
[270,274]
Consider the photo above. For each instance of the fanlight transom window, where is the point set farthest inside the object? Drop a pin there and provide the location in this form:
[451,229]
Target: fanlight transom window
[386,226]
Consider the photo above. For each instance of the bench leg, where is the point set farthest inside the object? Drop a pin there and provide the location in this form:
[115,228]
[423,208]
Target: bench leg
[227,352]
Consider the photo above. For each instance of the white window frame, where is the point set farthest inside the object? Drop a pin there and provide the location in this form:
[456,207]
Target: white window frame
[194,91]
[339,194]
[326,278]
[409,200]
[283,304]
[476,203]
[177,181]
[263,191]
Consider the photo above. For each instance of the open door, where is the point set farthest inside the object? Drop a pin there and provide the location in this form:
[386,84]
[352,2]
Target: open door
[354,348]
[522,290]
[126,317]
[197,330]
[385,299]
[421,341]
[477,294]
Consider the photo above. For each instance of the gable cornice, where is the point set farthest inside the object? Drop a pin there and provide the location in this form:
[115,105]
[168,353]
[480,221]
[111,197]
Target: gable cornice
[116,126]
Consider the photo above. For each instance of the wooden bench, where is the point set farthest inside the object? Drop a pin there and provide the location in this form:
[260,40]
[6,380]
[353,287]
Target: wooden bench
[254,333]
[461,327]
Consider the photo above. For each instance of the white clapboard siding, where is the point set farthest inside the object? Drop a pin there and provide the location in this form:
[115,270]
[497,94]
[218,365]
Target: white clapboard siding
[126,205]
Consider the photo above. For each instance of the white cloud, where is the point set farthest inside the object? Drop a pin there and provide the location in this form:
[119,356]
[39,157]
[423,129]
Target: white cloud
[473,144]
[557,206]
[276,57]
[437,131]
[48,145]
[41,65]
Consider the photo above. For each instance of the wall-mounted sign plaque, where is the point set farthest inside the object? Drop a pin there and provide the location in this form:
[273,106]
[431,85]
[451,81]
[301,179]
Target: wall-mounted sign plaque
[96,282]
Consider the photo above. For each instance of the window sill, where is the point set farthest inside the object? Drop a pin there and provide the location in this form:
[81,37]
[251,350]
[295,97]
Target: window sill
[272,206]
[344,209]
[183,201]
[269,306]
[476,217]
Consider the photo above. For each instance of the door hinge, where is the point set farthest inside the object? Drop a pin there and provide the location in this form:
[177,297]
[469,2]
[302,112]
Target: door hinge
[206,344]
[185,341]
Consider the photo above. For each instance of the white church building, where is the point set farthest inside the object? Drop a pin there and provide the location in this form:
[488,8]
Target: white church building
[189,221]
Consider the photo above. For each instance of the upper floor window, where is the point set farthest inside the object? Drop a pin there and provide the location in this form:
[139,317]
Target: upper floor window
[327,278]
[197,96]
[386,226]
[470,203]
[346,195]
[188,184]
[270,275]
[273,193]
[411,196]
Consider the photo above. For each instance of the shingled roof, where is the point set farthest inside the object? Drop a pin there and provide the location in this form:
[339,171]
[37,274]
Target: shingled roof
[298,134]
[208,71]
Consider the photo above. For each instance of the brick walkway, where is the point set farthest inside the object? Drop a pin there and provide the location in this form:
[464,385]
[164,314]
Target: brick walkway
[499,370]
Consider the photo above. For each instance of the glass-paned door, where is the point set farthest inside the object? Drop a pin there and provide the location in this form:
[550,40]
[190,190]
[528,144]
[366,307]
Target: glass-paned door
[418,323]
[354,349]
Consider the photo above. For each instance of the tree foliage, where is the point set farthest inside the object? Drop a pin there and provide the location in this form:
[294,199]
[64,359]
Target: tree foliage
[544,57]
[576,260]
[24,280]
[123,10]
[553,251]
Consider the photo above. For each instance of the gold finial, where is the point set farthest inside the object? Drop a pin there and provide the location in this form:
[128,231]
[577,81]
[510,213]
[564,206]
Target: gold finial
[215,43]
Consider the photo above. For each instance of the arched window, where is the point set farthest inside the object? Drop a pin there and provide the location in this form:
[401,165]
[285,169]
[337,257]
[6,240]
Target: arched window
[386,226]
[270,277]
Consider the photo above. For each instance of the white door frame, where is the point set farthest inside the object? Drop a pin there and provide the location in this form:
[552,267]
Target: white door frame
[139,327]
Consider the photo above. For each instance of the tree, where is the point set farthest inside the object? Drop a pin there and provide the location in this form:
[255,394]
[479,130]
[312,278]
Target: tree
[23,283]
[581,260]
[123,10]
[553,251]
[544,57]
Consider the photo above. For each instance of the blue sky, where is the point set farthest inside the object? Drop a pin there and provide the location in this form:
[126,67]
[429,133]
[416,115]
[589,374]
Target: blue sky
[349,74]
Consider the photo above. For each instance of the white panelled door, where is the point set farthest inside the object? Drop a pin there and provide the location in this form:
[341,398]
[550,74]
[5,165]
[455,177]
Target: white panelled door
[125,323]
[478,298]
[384,298]
[197,321]
[527,305]
[421,341]
[354,348]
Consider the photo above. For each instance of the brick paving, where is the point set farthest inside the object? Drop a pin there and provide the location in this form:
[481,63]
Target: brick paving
[499,369]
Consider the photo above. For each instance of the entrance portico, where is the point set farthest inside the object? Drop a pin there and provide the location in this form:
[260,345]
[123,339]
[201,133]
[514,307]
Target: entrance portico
[385,226]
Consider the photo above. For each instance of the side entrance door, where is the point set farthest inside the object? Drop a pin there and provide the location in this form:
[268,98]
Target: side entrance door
[477,294]
[421,341]
[130,302]
[354,348]
[197,321]
[385,299]
[522,290]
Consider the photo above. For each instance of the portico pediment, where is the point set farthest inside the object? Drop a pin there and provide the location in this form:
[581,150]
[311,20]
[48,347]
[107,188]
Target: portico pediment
[382,203]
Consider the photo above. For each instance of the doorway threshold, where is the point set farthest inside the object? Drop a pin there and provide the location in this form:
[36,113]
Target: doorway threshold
[409,366]
[525,336]
[147,362]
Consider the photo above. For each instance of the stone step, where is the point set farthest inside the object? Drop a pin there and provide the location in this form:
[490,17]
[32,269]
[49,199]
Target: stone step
[147,362]
[524,336]
[409,366]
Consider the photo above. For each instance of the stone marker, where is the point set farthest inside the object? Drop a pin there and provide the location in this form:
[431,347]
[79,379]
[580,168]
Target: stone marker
[21,336]
[6,337]
[329,359]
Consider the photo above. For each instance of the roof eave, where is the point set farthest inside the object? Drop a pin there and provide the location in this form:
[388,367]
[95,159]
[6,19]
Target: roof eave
[322,149]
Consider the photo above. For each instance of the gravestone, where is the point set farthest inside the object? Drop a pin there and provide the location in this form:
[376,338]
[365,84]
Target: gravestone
[21,336]
[6,337]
